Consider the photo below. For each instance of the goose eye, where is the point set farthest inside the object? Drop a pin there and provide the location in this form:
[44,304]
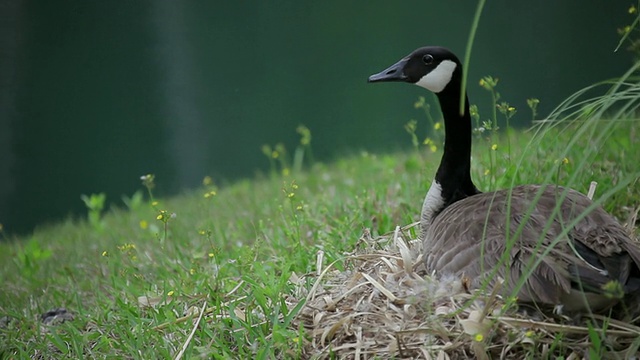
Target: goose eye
[427,59]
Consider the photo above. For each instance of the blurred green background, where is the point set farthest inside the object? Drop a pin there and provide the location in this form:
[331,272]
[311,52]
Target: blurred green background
[94,94]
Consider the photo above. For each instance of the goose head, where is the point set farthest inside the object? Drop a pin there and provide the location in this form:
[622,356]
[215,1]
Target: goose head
[439,71]
[433,68]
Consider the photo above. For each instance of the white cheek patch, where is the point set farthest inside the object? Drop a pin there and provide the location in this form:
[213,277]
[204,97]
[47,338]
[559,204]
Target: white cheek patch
[438,78]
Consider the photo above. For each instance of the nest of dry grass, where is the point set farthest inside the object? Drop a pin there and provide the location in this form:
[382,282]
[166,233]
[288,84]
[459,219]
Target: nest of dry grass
[385,305]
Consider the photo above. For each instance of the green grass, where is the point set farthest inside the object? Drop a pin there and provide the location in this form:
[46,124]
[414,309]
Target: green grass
[135,278]
[232,251]
[235,252]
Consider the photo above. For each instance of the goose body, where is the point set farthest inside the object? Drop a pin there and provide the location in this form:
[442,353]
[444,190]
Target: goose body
[548,243]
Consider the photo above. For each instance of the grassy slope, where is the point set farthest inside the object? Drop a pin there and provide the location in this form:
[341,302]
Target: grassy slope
[235,252]
[251,234]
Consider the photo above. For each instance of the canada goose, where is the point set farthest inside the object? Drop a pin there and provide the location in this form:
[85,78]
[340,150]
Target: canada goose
[463,230]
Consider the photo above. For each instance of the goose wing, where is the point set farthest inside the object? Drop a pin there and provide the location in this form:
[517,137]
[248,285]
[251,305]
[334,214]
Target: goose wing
[553,242]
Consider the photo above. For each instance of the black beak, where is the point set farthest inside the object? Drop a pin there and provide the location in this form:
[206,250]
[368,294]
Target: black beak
[394,72]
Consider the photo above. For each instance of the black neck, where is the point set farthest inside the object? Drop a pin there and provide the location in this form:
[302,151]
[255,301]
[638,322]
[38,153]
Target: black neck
[454,173]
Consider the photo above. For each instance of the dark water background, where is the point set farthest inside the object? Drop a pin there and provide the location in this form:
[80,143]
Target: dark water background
[94,94]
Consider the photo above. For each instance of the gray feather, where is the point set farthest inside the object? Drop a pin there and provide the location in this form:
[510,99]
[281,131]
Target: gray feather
[469,238]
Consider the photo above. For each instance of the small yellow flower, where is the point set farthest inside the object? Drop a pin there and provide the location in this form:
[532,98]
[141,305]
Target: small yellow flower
[211,254]
[170,293]
[286,172]
[202,232]
[207,181]
[275,154]
[479,337]
[105,253]
[290,195]
[144,224]
[565,161]
[294,186]
[210,194]
[632,9]
[163,216]
[437,125]
[511,109]
[126,247]
[433,148]
[488,83]
[155,203]
[529,333]
[296,340]
[487,172]
[134,258]
[299,208]
[192,271]
[494,147]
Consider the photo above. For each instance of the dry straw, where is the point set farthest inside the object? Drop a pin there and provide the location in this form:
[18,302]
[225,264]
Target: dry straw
[384,305]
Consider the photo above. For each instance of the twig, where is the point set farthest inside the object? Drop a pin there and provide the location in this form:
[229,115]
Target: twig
[187,317]
[592,190]
[193,331]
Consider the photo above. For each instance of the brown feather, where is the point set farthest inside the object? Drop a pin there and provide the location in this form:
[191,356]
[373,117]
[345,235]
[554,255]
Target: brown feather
[469,238]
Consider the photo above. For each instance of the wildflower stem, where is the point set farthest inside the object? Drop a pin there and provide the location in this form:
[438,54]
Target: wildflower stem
[467,55]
